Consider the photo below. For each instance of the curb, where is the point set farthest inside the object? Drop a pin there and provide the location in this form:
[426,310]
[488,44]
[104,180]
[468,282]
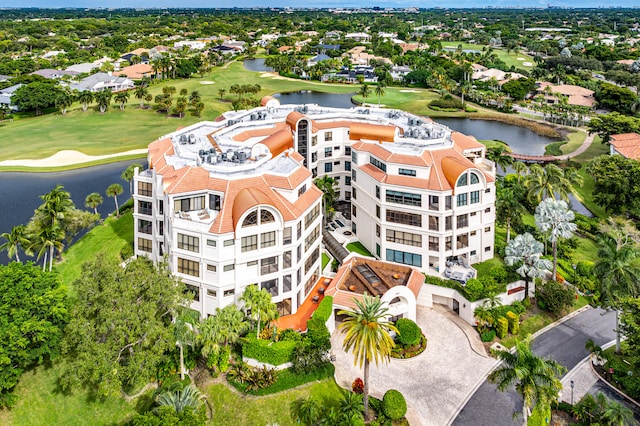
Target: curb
[606,382]
[560,321]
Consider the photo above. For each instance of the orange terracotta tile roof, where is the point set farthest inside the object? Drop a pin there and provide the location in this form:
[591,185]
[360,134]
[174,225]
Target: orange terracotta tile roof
[465,142]
[374,132]
[135,72]
[278,142]
[627,145]
[289,182]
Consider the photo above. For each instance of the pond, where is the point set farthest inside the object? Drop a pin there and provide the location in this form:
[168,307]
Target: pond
[19,192]
[519,139]
[256,65]
[334,100]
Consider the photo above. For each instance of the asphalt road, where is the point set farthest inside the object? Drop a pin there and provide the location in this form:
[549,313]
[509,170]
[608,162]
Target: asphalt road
[564,343]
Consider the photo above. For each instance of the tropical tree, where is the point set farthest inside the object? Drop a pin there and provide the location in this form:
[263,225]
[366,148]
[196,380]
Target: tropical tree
[64,100]
[103,99]
[85,98]
[185,333]
[127,174]
[181,106]
[500,157]
[509,204]
[197,108]
[307,411]
[351,407]
[258,303]
[181,399]
[221,93]
[114,190]
[141,93]
[526,252]
[93,200]
[616,414]
[379,89]
[554,217]
[330,191]
[194,97]
[366,330]
[616,272]
[56,206]
[520,168]
[15,239]
[44,241]
[536,379]
[122,98]
[365,91]
[547,181]
[221,330]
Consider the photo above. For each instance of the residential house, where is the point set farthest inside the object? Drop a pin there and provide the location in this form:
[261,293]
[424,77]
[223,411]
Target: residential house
[52,74]
[318,58]
[398,72]
[101,81]
[361,37]
[576,95]
[6,94]
[191,44]
[141,53]
[135,72]
[625,144]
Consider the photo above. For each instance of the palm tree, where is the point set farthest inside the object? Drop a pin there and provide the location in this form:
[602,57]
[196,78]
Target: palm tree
[181,105]
[127,174]
[307,411]
[616,414]
[85,98]
[122,98]
[103,99]
[509,207]
[616,272]
[194,97]
[185,334]
[114,190]
[536,379]
[328,186]
[221,93]
[520,168]
[351,407]
[366,330]
[64,100]
[547,181]
[93,200]
[555,217]
[484,316]
[379,91]
[222,329]
[189,397]
[44,241]
[15,239]
[525,251]
[258,302]
[500,157]
[140,93]
[365,91]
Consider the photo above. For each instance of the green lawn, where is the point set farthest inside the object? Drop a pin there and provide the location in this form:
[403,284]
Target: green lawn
[325,260]
[509,58]
[232,409]
[358,248]
[495,144]
[575,140]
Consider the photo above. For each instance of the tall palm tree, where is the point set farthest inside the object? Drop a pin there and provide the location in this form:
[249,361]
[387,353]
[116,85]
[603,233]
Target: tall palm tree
[500,157]
[536,379]
[114,190]
[56,205]
[616,272]
[64,100]
[93,200]
[122,98]
[220,330]
[181,105]
[44,241]
[185,333]
[366,330]
[140,93]
[330,192]
[221,93]
[103,99]
[525,251]
[365,91]
[379,89]
[127,174]
[547,181]
[554,216]
[616,414]
[509,207]
[85,98]
[258,302]
[15,239]
[179,399]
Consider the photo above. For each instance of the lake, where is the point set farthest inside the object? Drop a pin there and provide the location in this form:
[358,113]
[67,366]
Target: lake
[19,192]
[256,65]
[334,100]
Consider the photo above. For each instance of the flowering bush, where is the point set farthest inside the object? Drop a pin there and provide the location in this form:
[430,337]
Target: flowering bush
[357,386]
[559,278]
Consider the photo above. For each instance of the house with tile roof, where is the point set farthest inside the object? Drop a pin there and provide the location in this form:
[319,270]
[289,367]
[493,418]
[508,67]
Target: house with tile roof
[135,72]
[232,203]
[625,144]
[576,95]
[101,80]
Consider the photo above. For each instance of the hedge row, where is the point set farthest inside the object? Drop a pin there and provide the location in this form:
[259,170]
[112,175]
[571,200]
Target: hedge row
[323,312]
[274,353]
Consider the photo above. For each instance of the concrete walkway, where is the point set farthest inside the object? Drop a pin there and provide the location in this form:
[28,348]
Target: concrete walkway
[434,383]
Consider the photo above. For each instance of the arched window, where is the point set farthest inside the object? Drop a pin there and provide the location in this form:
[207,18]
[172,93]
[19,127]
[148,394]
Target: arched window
[395,300]
[462,181]
[266,217]
[474,179]
[251,219]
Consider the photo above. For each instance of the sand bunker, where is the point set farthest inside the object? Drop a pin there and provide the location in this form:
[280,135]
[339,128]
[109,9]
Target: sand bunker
[520,59]
[408,91]
[527,64]
[67,158]
[207,82]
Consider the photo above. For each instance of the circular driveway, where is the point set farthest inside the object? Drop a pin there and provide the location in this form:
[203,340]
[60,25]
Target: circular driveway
[434,383]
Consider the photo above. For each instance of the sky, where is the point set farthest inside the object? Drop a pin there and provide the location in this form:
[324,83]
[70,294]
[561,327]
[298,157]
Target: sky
[314,3]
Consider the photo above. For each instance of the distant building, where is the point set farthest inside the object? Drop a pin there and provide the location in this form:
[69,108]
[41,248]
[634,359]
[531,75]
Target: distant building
[52,74]
[576,95]
[135,72]
[101,81]
[625,144]
[6,94]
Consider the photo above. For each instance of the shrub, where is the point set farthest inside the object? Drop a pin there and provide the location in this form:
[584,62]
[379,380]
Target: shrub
[502,327]
[446,103]
[408,331]
[323,312]
[584,268]
[499,274]
[556,297]
[470,109]
[318,334]
[539,415]
[474,288]
[357,386]
[126,252]
[394,405]
[289,334]
[274,353]
[488,336]
[514,322]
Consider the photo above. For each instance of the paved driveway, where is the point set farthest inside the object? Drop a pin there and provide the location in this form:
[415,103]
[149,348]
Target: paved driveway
[434,383]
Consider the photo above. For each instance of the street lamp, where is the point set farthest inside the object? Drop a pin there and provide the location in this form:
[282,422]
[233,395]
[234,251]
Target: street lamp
[572,385]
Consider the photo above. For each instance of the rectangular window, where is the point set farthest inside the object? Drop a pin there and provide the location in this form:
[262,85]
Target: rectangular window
[211,243]
[145,245]
[404,218]
[377,163]
[145,226]
[271,286]
[475,197]
[311,238]
[268,239]
[472,253]
[487,210]
[447,243]
[378,211]
[249,243]
[404,257]
[211,268]
[212,293]
[193,291]
[228,268]
[405,198]
[377,230]
[189,267]
[447,202]
[214,202]
[299,230]
[228,293]
[434,243]
[462,200]
[252,263]
[311,260]
[473,213]
[377,249]
[354,193]
[268,265]
[353,175]
[462,221]
[286,283]
[472,233]
[160,207]
[487,229]
[347,150]
[328,167]
[347,180]
[354,210]
[228,243]
[286,236]
[434,202]
[347,166]
[314,157]
[145,207]
[336,163]
[160,227]
[354,157]
[487,191]
[328,152]
[286,259]
[328,136]
[188,242]
[377,192]
[486,249]
[299,253]
[145,189]
[447,223]
[434,223]
[302,190]
[189,204]
[406,238]
[314,140]
[407,172]
[347,195]
[311,216]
